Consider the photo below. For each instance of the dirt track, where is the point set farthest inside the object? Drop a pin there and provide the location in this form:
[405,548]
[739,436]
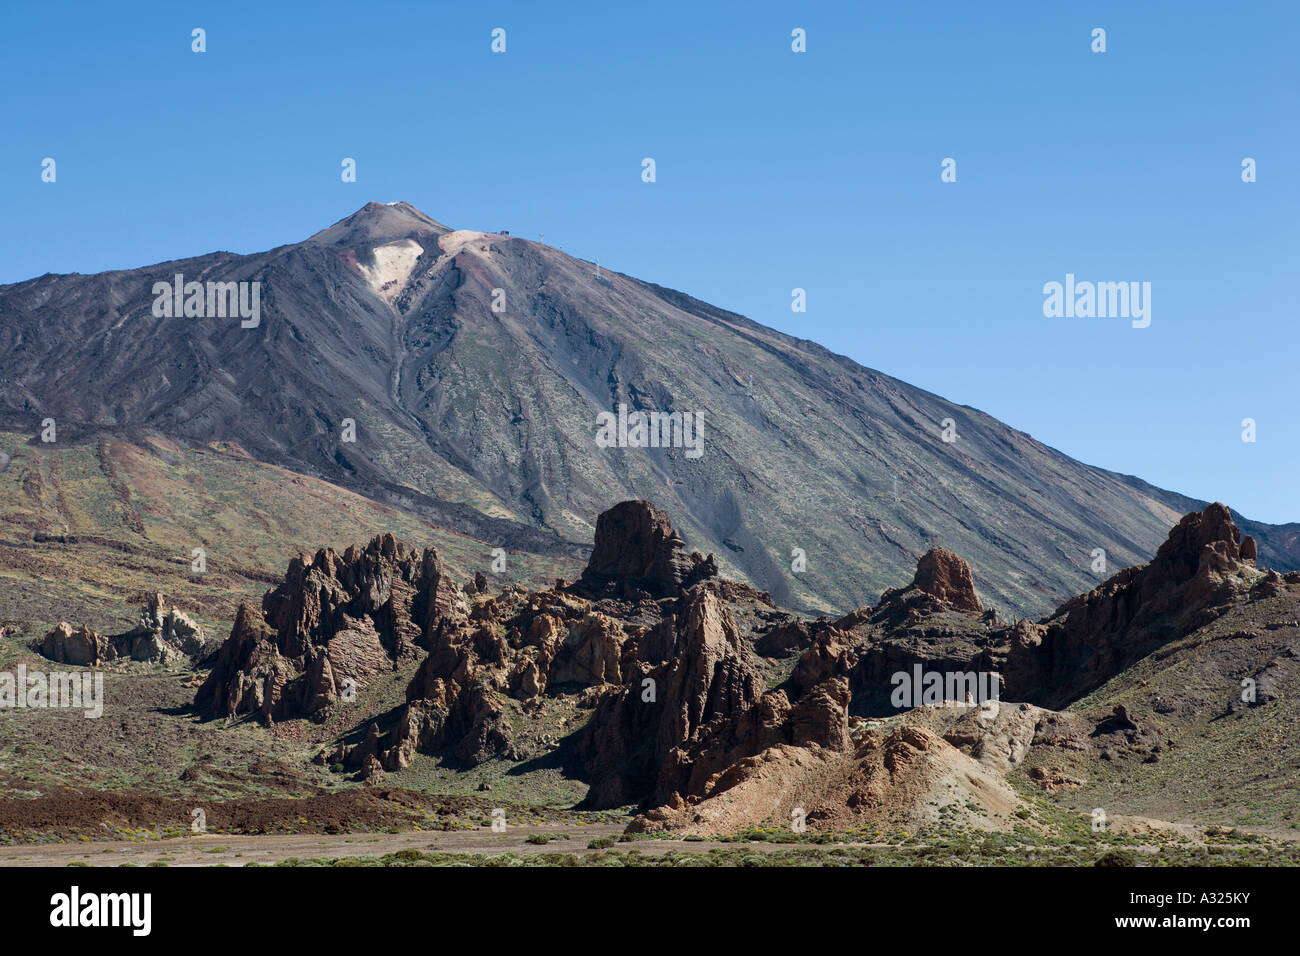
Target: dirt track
[217,848]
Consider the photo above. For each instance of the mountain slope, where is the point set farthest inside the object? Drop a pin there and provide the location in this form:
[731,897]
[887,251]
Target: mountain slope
[485,421]
[88,530]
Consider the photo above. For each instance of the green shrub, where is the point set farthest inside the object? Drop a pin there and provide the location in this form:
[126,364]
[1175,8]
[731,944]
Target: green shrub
[1116,858]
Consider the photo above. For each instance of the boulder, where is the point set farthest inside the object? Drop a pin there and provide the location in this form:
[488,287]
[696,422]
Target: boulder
[78,646]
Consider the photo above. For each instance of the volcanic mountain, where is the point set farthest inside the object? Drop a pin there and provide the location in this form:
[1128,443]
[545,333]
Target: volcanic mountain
[459,375]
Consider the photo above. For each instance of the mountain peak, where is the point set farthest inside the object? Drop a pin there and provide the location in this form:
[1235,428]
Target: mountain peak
[483,366]
[377,223]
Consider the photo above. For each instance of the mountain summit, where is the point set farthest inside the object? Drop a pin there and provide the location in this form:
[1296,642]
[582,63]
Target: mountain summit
[505,389]
[377,223]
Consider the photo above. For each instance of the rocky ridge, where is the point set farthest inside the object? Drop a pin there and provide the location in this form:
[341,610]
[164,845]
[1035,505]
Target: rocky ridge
[667,667]
[334,623]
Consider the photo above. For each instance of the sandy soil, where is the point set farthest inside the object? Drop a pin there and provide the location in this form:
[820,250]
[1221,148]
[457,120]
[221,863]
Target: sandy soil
[217,848]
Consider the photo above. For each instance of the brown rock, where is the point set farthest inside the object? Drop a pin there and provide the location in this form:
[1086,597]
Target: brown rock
[637,548]
[709,676]
[945,576]
[78,646]
[783,638]
[1051,779]
[821,716]
[831,653]
[590,654]
[527,680]
[334,623]
[247,664]
[1195,575]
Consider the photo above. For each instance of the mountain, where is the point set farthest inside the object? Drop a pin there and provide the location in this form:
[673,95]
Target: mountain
[473,368]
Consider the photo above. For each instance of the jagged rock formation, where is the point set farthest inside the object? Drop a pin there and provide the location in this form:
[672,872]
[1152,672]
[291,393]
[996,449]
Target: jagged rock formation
[1201,569]
[553,640]
[806,762]
[936,625]
[504,648]
[454,702]
[162,627]
[640,736]
[945,578]
[748,751]
[163,636]
[658,675]
[335,622]
[938,622]
[707,765]
[637,550]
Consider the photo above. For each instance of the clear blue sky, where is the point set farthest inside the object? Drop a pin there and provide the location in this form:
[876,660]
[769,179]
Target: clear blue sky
[775,170]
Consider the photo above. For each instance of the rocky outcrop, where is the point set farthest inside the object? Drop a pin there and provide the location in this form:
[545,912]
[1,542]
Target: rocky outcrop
[637,550]
[333,624]
[640,733]
[831,781]
[249,675]
[830,653]
[518,645]
[937,622]
[163,632]
[943,582]
[1195,576]
[697,769]
[79,646]
[163,636]
[644,682]
[463,722]
[946,577]
[560,642]
[456,701]
[591,653]
[785,637]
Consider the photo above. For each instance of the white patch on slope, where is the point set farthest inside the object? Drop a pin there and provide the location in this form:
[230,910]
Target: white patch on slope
[394,263]
[454,242]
